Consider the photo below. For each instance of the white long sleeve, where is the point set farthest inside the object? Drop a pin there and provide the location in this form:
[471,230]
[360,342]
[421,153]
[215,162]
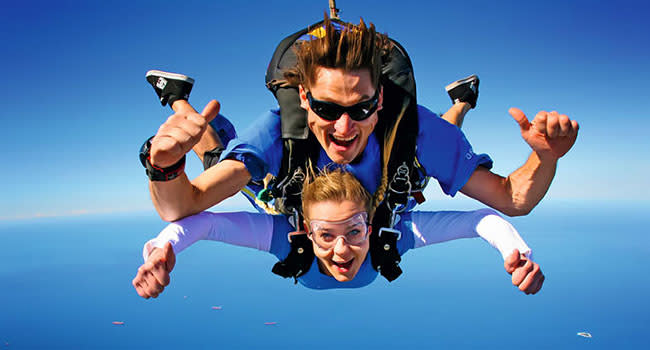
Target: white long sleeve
[502,236]
[253,230]
[435,227]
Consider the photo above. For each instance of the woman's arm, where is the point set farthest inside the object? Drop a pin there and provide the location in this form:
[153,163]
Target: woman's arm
[244,229]
[241,228]
[435,227]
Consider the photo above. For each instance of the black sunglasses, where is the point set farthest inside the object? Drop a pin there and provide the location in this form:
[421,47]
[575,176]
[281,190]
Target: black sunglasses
[332,111]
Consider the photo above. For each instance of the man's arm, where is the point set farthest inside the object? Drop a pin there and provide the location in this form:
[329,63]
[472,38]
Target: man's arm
[550,136]
[516,194]
[179,197]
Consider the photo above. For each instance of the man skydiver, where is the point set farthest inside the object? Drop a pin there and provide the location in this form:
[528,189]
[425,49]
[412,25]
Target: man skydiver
[334,89]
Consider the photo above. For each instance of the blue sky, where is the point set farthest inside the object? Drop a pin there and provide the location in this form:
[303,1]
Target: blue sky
[77,108]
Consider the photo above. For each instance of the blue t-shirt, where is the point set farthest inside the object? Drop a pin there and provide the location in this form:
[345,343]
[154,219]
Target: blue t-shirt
[442,150]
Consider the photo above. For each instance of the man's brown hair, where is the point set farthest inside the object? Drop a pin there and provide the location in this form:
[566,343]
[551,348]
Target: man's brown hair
[349,48]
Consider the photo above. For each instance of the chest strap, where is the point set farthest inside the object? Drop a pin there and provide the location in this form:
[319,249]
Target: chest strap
[301,255]
[383,246]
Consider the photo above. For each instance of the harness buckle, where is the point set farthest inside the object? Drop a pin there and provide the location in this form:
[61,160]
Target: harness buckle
[401,180]
[294,220]
[293,185]
[390,230]
[399,189]
[393,220]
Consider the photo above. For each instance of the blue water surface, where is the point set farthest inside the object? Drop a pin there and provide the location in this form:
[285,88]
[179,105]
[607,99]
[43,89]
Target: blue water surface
[64,281]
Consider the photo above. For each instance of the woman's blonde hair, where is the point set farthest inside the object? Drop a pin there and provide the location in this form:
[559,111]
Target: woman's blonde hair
[336,186]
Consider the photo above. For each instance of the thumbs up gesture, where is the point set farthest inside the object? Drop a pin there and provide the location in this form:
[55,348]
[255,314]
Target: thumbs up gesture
[153,275]
[180,133]
[550,134]
[526,274]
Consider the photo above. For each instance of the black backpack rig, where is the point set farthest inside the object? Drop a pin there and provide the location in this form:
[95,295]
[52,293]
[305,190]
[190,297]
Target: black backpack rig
[402,175]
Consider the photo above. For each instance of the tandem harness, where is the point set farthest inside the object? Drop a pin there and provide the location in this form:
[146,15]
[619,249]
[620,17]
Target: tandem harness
[398,117]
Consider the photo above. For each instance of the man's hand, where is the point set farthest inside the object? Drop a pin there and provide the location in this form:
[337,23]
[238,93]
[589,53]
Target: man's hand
[526,274]
[153,275]
[549,135]
[180,133]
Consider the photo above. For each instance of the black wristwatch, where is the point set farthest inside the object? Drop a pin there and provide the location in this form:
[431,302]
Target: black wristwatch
[155,173]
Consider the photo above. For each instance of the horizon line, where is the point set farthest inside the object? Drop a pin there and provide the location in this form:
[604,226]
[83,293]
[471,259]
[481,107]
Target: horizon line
[249,207]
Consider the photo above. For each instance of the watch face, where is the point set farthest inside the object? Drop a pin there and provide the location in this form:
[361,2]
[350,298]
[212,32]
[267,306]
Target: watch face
[144,151]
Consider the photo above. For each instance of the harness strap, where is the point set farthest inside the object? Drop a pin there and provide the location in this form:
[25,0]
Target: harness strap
[383,246]
[299,260]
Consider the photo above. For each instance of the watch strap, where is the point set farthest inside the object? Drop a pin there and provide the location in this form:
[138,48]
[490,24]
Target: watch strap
[155,173]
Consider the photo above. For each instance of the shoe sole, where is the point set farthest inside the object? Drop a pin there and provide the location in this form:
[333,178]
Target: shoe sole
[168,75]
[461,82]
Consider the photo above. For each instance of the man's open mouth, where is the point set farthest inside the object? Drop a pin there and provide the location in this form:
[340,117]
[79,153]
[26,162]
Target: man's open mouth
[342,141]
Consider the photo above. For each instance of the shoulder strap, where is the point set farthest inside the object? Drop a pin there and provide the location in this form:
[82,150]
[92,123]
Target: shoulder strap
[383,245]
[399,111]
[299,260]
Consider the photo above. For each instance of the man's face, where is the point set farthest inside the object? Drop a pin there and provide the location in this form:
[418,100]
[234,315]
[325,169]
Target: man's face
[341,261]
[343,139]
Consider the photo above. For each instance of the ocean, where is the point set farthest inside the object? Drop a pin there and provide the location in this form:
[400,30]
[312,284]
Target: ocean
[64,281]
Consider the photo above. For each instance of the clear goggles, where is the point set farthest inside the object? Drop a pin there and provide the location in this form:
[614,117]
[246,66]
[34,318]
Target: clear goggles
[354,231]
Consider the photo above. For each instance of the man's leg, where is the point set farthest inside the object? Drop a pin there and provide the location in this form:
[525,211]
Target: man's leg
[456,114]
[464,96]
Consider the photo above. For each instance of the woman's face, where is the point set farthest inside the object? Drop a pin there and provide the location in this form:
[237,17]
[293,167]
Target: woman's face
[337,234]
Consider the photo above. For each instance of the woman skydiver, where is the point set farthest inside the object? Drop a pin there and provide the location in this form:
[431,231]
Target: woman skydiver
[337,210]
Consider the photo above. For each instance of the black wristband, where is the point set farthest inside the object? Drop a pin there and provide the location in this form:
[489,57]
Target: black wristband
[156,173]
[211,157]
